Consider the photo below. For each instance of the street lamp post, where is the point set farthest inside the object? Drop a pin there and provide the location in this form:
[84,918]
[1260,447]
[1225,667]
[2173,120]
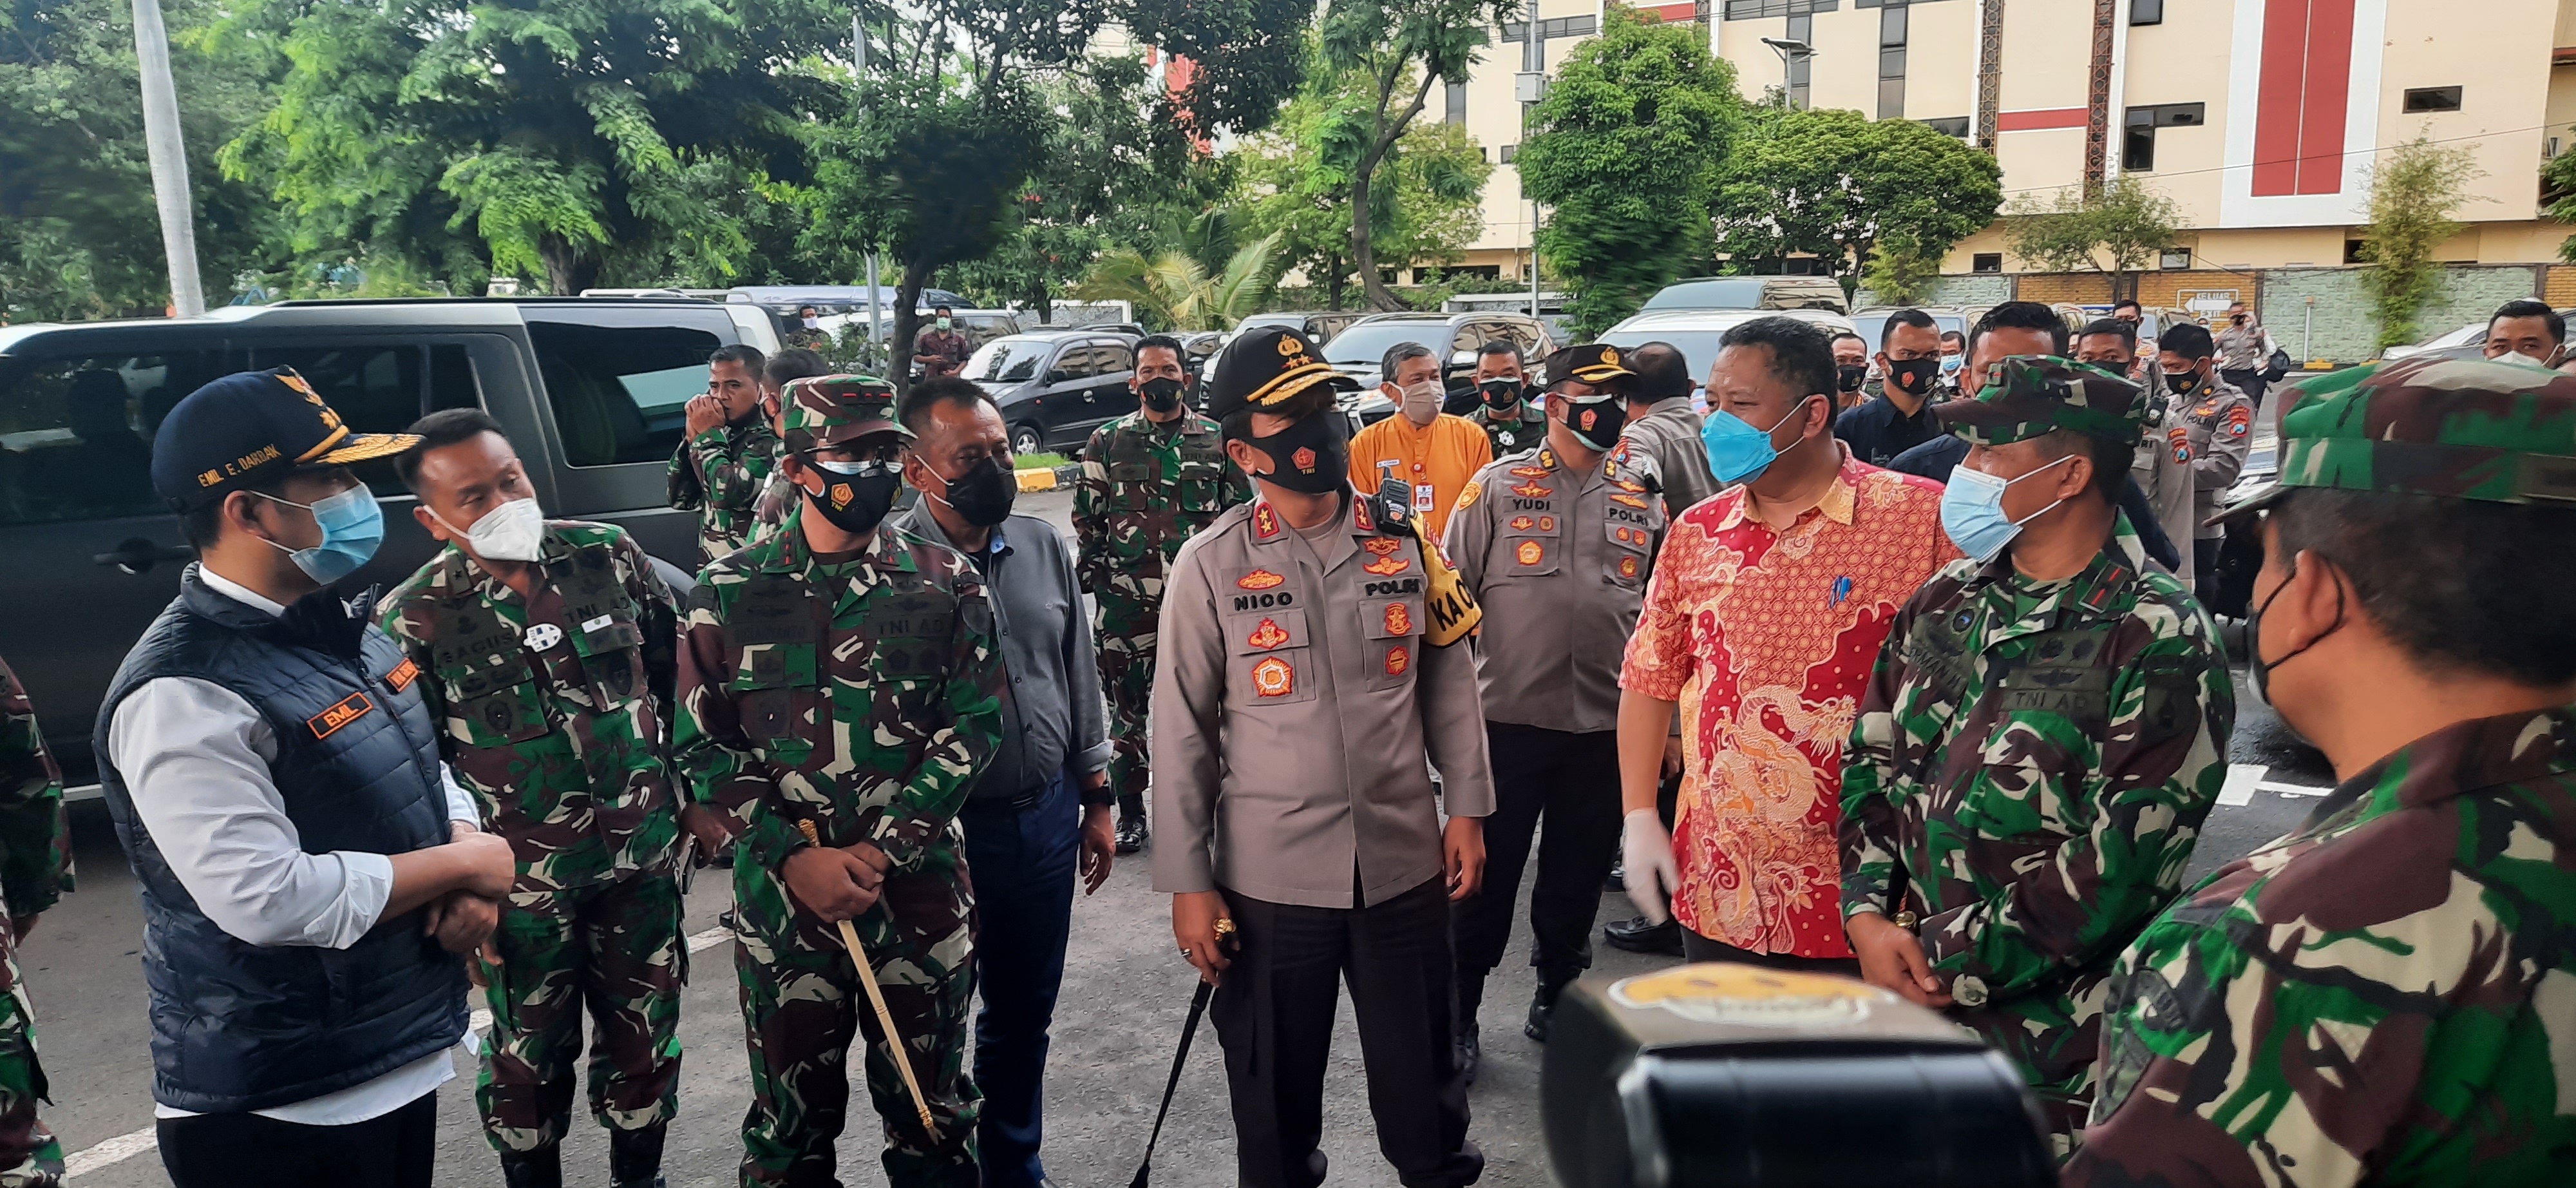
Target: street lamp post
[1791,51]
[169,159]
[1530,86]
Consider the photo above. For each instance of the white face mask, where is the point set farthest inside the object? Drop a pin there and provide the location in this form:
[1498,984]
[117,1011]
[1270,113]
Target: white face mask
[2519,357]
[514,531]
[1422,402]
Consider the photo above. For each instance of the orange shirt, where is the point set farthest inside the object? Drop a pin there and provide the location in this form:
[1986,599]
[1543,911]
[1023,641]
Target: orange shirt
[1437,459]
[1766,640]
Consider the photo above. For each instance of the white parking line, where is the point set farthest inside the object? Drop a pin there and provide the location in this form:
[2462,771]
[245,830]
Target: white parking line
[127,1146]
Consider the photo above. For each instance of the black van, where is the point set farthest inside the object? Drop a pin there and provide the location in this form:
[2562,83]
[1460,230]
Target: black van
[590,391]
[1056,385]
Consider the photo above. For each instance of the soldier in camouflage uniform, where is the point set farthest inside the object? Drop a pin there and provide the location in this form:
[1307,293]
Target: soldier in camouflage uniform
[2383,996]
[777,496]
[35,871]
[1503,409]
[1150,480]
[547,648]
[847,677]
[2039,741]
[720,468]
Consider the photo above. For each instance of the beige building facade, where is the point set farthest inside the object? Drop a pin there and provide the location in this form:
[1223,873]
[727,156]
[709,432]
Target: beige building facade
[2261,119]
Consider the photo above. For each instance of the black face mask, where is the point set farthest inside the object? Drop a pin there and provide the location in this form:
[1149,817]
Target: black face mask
[983,494]
[856,500]
[2254,638]
[1501,394]
[1597,424]
[2182,382]
[1850,375]
[1913,377]
[1162,394]
[1311,456]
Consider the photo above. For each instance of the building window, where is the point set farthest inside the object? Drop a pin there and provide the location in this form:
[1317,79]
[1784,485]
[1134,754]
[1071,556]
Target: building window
[1510,151]
[1891,62]
[2353,252]
[1552,28]
[1986,262]
[1457,113]
[1749,10]
[2422,99]
[2146,12]
[2138,131]
[1948,125]
[1802,29]
[2174,259]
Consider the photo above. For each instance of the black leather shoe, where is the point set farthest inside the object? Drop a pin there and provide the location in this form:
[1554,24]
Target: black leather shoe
[1468,1049]
[541,1168]
[1551,983]
[1618,880]
[635,1157]
[1132,834]
[1636,936]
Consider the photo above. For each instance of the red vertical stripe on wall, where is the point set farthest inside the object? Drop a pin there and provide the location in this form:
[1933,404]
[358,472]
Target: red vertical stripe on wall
[2329,87]
[2278,97]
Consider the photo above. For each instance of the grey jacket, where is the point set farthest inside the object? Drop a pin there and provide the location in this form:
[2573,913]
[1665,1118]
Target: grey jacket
[1669,434]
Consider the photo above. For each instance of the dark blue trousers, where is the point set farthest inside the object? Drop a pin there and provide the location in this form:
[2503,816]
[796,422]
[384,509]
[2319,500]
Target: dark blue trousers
[1021,861]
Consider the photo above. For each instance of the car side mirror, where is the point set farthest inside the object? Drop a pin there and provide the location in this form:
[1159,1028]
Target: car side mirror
[1058,375]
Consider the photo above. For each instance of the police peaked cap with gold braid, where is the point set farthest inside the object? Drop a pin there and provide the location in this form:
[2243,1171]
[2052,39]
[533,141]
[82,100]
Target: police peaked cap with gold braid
[1262,368]
[1594,363]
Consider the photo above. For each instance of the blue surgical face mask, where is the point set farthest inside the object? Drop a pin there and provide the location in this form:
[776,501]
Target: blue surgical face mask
[1950,364]
[1972,512]
[352,526]
[1738,452]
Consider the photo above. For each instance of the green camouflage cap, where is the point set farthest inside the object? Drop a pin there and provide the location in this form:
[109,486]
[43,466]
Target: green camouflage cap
[2036,394]
[2457,428]
[830,409]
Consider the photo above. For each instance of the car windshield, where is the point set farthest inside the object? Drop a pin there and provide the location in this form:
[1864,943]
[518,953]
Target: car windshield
[1365,345]
[1005,360]
[1698,347]
[1733,292]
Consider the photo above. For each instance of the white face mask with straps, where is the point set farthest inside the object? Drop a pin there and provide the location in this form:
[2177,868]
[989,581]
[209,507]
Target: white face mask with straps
[514,531]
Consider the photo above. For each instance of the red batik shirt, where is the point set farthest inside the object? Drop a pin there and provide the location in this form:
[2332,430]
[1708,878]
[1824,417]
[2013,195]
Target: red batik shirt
[1766,638]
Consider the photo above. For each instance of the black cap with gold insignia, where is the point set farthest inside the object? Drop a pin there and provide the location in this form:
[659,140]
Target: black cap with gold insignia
[251,427]
[1266,366]
[1594,363]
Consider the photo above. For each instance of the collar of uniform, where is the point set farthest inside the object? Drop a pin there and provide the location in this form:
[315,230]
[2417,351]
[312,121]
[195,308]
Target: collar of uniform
[2517,748]
[918,521]
[884,551]
[1269,527]
[2090,592]
[462,575]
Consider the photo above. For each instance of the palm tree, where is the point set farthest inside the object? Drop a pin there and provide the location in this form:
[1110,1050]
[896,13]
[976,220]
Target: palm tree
[1183,287]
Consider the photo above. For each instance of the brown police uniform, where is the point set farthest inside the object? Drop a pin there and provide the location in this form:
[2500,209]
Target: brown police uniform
[1558,559]
[1297,694]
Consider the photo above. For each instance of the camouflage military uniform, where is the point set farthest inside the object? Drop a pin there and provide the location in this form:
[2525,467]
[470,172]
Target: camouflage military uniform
[552,714]
[1526,431]
[2029,768]
[861,694]
[719,474]
[1145,488]
[2386,995]
[776,506]
[35,871]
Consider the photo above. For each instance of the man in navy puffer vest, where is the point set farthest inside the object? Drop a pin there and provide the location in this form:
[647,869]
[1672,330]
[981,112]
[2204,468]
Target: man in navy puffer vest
[309,873]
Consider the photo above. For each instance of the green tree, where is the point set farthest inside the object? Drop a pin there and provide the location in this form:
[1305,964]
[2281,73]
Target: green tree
[1835,185]
[1625,148]
[1401,48]
[1296,181]
[951,121]
[1899,274]
[566,140]
[2117,231]
[79,236]
[1172,290]
[2413,193]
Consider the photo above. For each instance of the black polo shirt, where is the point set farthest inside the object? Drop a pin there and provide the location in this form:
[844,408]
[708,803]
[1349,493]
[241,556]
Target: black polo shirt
[1878,431]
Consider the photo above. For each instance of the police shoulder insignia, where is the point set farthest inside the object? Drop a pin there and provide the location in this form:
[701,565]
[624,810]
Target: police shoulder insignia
[1388,566]
[1273,677]
[2239,419]
[2179,440]
[1265,522]
[1360,517]
[1382,545]
[1259,579]
[1469,494]
[1530,472]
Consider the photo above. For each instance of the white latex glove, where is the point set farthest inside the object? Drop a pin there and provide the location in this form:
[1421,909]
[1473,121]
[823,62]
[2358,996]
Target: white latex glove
[1646,852]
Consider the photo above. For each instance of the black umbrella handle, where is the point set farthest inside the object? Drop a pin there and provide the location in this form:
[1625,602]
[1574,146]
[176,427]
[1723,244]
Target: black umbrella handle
[1189,1031]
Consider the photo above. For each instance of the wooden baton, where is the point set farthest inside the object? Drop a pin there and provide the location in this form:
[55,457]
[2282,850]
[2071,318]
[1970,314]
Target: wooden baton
[876,998]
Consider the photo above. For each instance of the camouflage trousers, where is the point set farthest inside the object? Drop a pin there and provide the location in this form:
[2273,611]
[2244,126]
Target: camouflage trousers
[614,949]
[802,1006]
[1126,633]
[2053,1040]
[29,1155]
